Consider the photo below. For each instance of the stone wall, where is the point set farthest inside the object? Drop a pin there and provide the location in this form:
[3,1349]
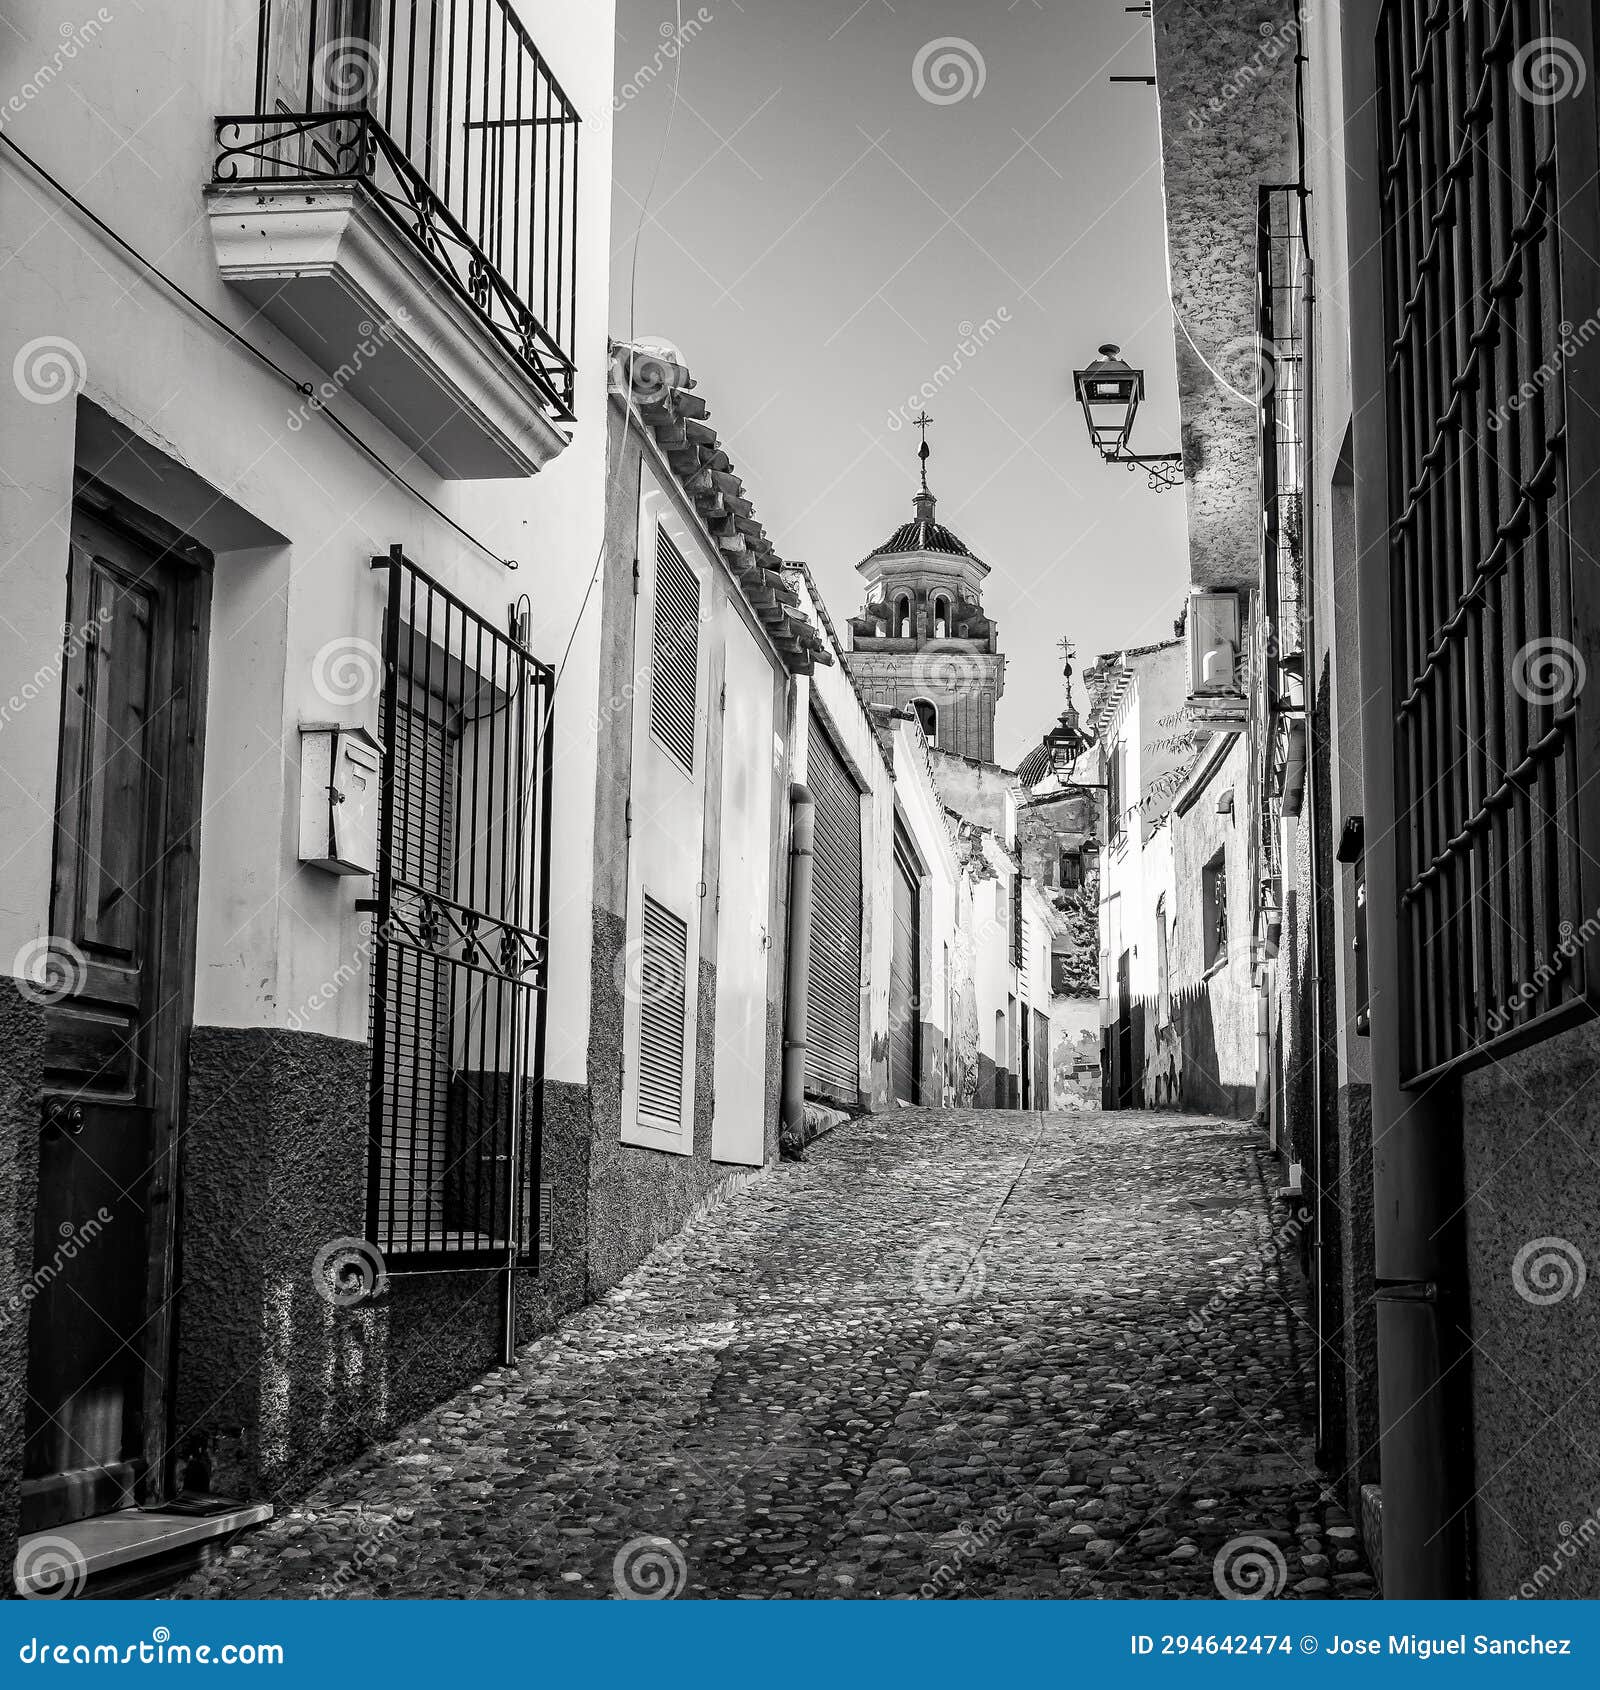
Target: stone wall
[276,1383]
[1226,78]
[21,1074]
[1530,1126]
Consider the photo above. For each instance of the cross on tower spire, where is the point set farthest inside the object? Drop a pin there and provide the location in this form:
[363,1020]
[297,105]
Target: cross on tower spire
[922,422]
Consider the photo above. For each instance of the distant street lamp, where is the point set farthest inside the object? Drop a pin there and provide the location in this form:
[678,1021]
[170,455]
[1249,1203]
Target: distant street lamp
[1110,391]
[1066,742]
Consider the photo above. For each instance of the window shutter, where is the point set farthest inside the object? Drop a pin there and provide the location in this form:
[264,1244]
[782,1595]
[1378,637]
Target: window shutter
[833,1035]
[675,653]
[663,999]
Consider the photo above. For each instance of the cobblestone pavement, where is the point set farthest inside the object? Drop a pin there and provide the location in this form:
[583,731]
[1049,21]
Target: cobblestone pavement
[949,1354]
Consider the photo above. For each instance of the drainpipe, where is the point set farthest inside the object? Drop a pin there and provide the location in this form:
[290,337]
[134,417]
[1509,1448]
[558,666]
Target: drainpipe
[797,997]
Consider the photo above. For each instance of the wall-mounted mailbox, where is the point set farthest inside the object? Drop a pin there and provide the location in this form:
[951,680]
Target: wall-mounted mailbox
[340,772]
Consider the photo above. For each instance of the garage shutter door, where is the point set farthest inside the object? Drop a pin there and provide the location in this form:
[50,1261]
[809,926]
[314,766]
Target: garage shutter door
[904,1007]
[833,1037]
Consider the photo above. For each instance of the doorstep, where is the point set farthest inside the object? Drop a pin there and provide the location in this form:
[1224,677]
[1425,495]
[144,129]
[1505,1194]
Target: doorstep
[82,1550]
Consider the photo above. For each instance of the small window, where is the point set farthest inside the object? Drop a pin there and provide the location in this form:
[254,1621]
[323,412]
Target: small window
[928,718]
[902,618]
[1071,870]
[1214,909]
[941,617]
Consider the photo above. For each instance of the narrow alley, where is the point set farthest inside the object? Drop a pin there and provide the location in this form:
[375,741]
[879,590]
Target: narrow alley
[949,1354]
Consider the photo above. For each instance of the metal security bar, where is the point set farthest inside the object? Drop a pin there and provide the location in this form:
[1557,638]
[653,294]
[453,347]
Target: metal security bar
[460,949]
[447,112]
[1492,733]
[1280,316]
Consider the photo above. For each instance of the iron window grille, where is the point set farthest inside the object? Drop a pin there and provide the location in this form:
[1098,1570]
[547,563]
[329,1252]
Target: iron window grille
[447,112]
[460,947]
[1488,226]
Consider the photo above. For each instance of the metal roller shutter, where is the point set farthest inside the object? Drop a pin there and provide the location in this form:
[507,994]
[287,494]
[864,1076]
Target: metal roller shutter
[833,1036]
[904,981]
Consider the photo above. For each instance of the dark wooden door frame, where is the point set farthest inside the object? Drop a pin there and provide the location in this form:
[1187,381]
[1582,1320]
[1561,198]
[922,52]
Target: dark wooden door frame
[175,933]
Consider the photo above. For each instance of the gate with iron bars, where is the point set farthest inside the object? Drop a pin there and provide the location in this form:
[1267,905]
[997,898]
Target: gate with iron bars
[460,943]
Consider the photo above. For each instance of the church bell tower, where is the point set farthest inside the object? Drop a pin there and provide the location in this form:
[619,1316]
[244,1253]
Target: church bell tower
[923,642]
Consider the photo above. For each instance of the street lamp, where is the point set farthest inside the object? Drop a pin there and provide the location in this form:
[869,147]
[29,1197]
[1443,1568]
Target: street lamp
[1066,742]
[1110,391]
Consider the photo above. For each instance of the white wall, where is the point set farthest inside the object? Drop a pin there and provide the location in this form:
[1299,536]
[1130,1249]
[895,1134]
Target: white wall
[293,514]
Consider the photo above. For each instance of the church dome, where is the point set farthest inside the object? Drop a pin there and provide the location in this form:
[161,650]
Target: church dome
[922,534]
[1035,767]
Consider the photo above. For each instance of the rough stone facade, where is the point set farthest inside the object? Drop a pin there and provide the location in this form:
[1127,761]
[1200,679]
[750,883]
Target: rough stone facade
[275,1384]
[21,1074]
[1227,123]
[1532,1239]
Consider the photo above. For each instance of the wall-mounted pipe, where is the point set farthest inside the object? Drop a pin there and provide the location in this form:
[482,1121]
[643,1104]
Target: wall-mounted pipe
[797,996]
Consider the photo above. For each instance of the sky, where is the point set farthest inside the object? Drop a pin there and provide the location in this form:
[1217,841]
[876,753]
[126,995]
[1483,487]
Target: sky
[855,198]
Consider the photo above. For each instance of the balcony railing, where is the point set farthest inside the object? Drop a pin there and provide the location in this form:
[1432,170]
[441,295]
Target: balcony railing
[446,112]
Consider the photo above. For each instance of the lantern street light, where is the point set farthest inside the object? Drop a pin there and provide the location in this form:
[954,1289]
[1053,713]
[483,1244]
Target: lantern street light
[1110,391]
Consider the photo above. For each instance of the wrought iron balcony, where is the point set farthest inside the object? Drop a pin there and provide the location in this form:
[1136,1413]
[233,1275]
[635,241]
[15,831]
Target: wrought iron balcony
[443,117]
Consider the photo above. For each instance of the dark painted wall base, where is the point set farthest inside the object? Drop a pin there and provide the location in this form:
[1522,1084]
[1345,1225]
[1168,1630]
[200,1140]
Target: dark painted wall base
[275,1384]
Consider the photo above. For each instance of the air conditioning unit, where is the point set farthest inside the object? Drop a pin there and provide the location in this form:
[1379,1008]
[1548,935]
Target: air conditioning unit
[1214,644]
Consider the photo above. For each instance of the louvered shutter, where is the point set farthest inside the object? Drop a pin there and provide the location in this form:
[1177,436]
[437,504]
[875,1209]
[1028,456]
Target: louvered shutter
[663,1003]
[675,652]
[833,1035]
[904,964]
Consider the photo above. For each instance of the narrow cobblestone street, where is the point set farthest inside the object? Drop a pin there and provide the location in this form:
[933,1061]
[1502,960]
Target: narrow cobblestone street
[949,1354]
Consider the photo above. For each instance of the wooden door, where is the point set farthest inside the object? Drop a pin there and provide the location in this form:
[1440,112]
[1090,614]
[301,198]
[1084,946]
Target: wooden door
[660,966]
[744,888]
[118,1000]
